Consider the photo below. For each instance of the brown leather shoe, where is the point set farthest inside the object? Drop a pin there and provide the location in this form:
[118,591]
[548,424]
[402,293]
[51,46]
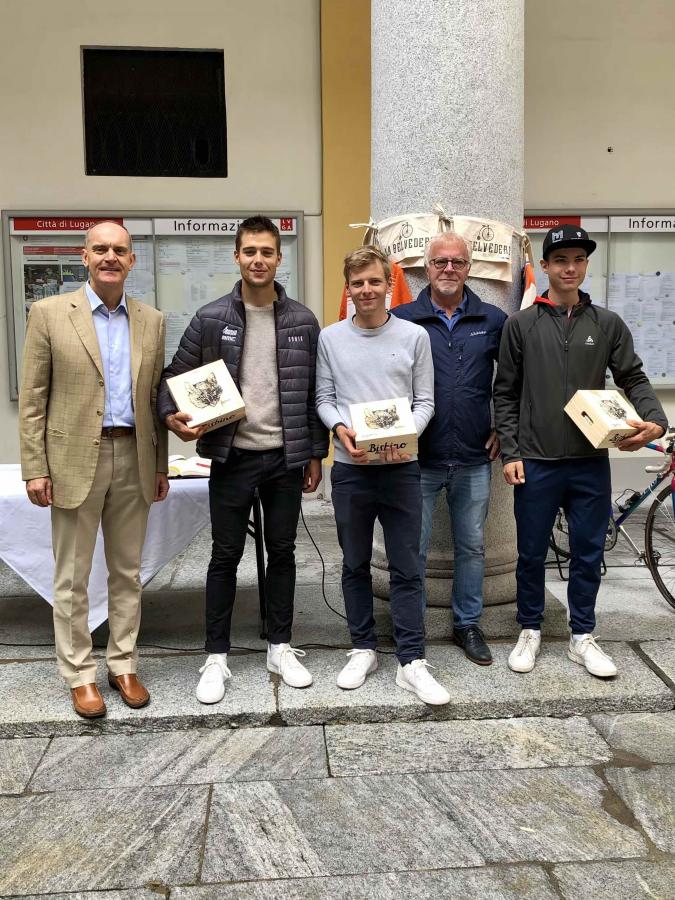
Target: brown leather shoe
[87,701]
[131,690]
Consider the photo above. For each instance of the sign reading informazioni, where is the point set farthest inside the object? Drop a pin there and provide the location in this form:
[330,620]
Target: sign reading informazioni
[650,222]
[203,226]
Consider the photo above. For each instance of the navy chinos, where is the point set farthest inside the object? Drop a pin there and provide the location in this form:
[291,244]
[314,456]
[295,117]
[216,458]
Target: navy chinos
[582,487]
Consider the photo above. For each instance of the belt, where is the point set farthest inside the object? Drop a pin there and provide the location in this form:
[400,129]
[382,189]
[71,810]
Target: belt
[114,431]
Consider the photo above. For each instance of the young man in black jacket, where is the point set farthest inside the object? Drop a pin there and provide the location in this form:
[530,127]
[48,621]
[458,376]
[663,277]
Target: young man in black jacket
[561,344]
[268,343]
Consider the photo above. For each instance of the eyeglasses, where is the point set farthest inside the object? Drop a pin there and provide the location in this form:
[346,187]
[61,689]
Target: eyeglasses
[441,262]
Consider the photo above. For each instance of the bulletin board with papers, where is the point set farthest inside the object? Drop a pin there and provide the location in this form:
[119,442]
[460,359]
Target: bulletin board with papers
[632,272]
[183,260]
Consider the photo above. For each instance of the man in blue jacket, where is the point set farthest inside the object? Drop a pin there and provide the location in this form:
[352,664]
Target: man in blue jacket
[457,447]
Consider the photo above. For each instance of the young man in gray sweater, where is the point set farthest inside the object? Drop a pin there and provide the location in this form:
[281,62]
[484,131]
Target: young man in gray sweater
[371,357]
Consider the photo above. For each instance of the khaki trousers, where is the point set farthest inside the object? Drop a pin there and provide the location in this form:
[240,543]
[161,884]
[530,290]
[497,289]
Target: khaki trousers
[116,502]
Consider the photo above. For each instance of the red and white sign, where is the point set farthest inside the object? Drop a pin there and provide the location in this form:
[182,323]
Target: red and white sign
[545,222]
[44,250]
[47,223]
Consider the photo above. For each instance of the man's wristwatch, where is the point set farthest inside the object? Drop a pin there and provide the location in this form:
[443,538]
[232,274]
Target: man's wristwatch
[335,428]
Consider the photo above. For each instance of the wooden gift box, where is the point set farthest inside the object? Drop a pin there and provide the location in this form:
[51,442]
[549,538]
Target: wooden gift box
[384,424]
[208,394]
[601,415]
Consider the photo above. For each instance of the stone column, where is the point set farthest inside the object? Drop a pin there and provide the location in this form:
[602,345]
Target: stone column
[447,126]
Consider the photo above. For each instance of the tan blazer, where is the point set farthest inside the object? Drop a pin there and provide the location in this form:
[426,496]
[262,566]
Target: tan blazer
[62,395]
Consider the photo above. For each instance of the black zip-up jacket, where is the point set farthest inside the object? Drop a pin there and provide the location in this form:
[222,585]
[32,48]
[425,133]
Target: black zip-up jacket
[544,358]
[217,332]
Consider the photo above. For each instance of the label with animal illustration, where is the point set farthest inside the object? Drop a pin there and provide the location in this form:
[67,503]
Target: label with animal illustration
[208,394]
[384,424]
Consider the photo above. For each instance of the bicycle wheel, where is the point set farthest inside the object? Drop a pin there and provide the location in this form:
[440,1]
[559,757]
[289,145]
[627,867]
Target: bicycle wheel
[660,543]
[560,535]
[559,540]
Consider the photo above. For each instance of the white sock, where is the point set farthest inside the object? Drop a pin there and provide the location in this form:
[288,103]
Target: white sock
[577,637]
[274,649]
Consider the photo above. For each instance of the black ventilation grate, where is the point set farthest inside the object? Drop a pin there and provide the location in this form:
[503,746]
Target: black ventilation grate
[155,113]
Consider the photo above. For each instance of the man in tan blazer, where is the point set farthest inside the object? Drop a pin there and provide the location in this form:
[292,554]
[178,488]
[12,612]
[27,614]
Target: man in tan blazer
[93,449]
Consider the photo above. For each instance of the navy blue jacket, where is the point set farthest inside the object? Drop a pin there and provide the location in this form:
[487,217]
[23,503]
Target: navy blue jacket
[463,369]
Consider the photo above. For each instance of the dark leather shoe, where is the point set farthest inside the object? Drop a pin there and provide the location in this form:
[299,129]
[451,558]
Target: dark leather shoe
[131,690]
[471,640]
[87,701]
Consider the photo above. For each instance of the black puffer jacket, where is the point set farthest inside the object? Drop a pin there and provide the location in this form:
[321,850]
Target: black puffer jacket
[544,358]
[217,332]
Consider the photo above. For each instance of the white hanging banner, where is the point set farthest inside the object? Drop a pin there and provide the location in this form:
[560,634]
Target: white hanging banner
[491,246]
[404,238]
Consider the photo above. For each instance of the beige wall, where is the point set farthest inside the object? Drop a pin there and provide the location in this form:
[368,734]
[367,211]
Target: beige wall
[345,91]
[601,74]
[273,96]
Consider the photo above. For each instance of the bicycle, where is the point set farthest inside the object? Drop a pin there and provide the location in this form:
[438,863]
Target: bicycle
[659,551]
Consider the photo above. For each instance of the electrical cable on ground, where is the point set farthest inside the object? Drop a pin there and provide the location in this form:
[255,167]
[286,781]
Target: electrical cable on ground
[309,646]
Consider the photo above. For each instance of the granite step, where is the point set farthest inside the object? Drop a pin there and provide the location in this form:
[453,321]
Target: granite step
[36,703]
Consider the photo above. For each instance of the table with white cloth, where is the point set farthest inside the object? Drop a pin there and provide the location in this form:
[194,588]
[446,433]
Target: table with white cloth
[26,536]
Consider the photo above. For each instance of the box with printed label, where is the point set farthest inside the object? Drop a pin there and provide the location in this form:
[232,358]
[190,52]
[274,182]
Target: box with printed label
[384,424]
[208,394]
[601,415]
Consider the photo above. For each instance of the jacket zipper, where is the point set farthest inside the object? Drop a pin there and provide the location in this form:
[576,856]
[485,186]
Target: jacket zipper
[567,332]
[281,409]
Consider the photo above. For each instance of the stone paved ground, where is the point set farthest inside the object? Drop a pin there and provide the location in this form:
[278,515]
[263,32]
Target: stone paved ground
[547,785]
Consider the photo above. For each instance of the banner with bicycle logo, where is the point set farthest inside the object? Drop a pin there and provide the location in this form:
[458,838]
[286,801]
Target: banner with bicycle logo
[491,244]
[404,240]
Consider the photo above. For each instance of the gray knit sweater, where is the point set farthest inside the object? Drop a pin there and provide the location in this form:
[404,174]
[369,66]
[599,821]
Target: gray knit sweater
[355,365]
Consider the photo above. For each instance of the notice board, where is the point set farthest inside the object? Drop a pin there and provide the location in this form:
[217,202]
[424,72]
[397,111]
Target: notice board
[183,260]
[632,272]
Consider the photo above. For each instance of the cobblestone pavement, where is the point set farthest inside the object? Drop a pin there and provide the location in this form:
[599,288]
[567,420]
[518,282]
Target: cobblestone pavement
[547,785]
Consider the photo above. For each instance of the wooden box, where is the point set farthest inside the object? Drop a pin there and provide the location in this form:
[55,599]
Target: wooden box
[384,424]
[601,415]
[208,394]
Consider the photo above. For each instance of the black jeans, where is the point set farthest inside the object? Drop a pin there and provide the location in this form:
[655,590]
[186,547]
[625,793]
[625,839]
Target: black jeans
[392,493]
[231,488]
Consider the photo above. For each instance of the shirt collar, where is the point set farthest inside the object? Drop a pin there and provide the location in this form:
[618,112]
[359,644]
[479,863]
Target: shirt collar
[460,309]
[96,302]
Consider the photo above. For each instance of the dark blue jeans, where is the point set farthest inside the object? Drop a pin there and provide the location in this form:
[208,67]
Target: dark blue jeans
[231,488]
[582,488]
[392,494]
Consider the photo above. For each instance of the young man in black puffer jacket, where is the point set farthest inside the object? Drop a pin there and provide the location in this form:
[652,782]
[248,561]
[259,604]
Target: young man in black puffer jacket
[561,344]
[268,343]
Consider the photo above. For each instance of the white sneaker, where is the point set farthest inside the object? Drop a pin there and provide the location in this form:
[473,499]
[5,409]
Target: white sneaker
[586,652]
[415,677]
[282,659]
[526,651]
[354,674]
[214,672]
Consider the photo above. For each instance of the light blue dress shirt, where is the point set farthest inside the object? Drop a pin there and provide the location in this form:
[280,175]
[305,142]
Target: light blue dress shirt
[451,321]
[112,331]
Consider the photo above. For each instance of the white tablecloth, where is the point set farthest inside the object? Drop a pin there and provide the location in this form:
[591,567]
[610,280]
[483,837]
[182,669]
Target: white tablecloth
[26,537]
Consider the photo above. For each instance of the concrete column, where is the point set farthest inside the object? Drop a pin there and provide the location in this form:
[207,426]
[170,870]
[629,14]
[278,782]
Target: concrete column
[447,126]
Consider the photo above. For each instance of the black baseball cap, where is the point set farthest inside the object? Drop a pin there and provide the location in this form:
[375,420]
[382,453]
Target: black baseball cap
[568,236]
